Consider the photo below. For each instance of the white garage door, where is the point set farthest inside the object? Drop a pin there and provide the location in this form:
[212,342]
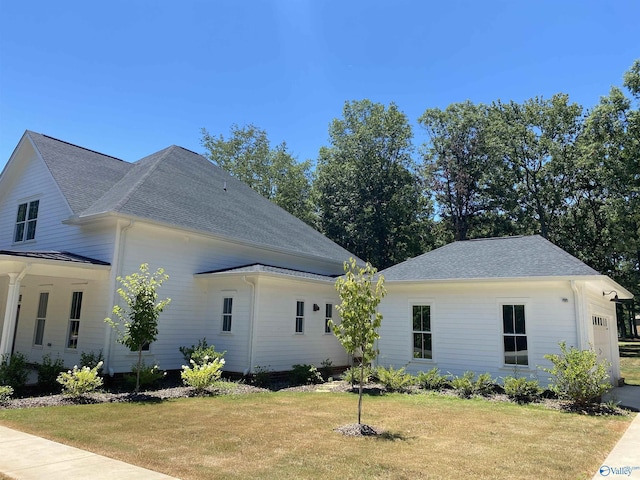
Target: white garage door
[601,339]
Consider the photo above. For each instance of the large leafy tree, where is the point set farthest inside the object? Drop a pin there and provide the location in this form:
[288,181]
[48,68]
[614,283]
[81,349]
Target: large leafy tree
[359,316]
[459,166]
[138,318]
[367,191]
[535,143]
[273,172]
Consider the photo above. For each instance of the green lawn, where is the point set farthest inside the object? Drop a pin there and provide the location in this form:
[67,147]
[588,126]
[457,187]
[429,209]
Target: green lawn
[630,362]
[289,435]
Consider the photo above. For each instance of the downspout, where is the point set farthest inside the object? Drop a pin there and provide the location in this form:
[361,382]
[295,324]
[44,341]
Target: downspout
[9,326]
[577,306]
[252,284]
[116,267]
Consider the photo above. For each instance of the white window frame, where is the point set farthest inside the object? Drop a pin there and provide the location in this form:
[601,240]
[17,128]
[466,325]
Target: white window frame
[328,315]
[41,319]
[27,222]
[226,315]
[421,303]
[75,312]
[299,322]
[513,302]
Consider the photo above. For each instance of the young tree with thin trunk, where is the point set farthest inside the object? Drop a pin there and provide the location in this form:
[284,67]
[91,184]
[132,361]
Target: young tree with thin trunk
[138,325]
[360,320]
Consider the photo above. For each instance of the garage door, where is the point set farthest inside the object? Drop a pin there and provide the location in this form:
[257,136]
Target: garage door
[601,339]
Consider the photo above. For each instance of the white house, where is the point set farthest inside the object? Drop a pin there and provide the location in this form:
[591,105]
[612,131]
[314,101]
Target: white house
[257,282]
[251,278]
[496,305]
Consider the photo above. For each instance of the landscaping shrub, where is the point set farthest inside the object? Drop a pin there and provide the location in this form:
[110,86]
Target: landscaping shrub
[467,385]
[352,375]
[48,372]
[432,380]
[5,393]
[394,380]
[303,374]
[202,376]
[91,360]
[197,353]
[261,376]
[80,381]
[326,369]
[578,376]
[14,372]
[522,390]
[150,375]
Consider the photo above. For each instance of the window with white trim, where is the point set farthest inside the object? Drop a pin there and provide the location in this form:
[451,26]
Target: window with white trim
[328,317]
[299,316]
[421,331]
[26,221]
[38,334]
[514,335]
[227,308]
[74,320]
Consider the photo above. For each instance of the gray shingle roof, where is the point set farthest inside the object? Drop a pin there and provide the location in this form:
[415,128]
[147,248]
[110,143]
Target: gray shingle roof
[54,255]
[491,258]
[260,268]
[178,187]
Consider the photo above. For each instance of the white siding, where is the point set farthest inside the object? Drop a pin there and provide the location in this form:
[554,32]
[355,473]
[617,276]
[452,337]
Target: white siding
[60,291]
[29,179]
[467,327]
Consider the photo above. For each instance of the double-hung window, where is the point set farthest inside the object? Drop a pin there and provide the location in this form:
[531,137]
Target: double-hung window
[227,307]
[74,320]
[328,317]
[26,221]
[299,316]
[38,334]
[514,335]
[422,340]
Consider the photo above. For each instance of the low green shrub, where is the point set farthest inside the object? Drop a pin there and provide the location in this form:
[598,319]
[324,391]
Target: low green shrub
[522,390]
[80,381]
[5,393]
[578,376]
[150,375]
[467,385]
[14,371]
[202,376]
[261,376]
[394,380]
[352,375]
[432,380]
[48,372]
[198,352]
[91,359]
[303,374]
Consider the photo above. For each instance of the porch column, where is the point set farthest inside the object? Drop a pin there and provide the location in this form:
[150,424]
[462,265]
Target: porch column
[9,324]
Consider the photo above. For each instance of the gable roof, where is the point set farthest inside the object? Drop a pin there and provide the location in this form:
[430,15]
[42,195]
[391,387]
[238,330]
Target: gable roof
[180,188]
[491,258]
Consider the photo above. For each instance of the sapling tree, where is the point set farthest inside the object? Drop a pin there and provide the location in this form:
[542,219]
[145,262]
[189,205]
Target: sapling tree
[138,325]
[358,330]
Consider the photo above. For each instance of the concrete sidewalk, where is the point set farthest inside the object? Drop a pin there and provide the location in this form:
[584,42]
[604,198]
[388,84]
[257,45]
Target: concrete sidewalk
[27,457]
[624,459]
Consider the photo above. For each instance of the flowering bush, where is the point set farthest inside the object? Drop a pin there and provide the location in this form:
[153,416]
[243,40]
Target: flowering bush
[79,381]
[202,376]
[5,393]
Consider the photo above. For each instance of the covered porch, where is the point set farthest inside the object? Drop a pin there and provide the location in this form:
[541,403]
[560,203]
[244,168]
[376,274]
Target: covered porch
[52,303]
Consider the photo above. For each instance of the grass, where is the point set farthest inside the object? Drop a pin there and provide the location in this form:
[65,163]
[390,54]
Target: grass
[290,435]
[630,362]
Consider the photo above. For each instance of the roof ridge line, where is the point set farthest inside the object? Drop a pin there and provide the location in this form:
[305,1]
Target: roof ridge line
[78,146]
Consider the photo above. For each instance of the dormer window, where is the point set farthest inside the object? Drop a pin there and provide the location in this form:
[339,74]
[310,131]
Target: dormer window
[26,221]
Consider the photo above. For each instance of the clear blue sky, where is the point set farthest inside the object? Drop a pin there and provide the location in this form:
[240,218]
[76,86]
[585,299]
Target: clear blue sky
[128,78]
